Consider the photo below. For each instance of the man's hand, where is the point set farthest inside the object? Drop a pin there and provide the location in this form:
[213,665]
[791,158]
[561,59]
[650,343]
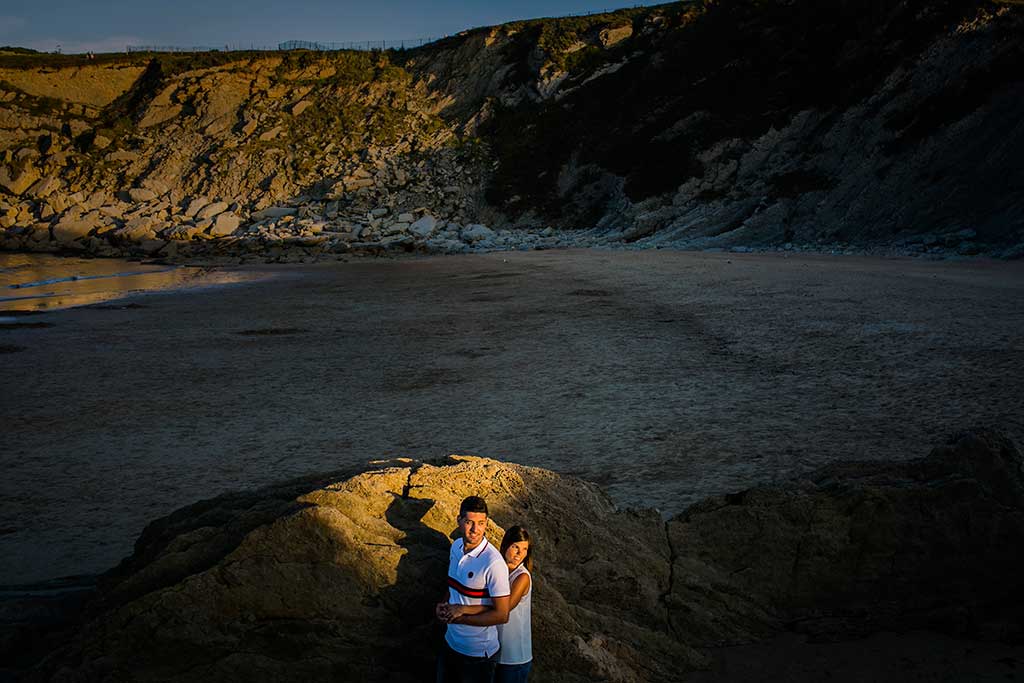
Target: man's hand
[441,612]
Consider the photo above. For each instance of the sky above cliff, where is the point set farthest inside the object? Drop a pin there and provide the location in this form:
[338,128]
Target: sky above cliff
[110,25]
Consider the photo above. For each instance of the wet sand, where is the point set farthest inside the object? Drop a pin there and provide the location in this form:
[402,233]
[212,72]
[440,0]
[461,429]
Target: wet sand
[663,376]
[41,282]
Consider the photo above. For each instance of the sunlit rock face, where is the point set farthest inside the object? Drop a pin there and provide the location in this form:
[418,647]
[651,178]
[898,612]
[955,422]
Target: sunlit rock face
[336,576]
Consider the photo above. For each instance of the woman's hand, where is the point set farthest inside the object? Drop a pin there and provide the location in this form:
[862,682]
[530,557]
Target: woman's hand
[441,611]
[454,612]
[449,613]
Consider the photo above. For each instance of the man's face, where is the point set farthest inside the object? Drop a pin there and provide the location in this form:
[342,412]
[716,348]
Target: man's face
[472,525]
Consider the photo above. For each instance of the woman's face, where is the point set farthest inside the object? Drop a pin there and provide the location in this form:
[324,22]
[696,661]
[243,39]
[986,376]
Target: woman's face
[516,553]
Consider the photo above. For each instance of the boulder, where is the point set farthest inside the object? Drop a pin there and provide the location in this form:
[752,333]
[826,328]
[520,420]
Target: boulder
[300,107]
[212,210]
[395,228]
[271,134]
[445,245]
[194,205]
[40,232]
[113,210]
[122,155]
[158,185]
[96,200]
[152,246]
[71,229]
[424,227]
[138,229]
[250,127]
[476,232]
[182,232]
[225,224]
[335,575]
[611,36]
[351,184]
[106,227]
[141,195]
[274,212]
[44,187]
[58,201]
[17,181]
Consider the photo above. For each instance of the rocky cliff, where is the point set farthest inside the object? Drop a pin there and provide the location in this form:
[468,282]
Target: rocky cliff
[336,577]
[713,124]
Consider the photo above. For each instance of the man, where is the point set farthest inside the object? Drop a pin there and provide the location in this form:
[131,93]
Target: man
[477,575]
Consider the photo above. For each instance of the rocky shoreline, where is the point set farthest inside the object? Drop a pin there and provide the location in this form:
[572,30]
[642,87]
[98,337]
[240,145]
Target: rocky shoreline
[200,228]
[330,575]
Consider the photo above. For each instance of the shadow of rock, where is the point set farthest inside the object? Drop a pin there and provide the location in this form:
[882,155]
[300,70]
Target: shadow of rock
[339,579]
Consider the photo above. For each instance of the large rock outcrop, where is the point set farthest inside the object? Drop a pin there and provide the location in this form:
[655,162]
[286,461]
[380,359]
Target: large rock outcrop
[336,578]
[859,547]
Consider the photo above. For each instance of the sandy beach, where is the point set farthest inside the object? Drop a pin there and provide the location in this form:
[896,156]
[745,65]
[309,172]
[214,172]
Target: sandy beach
[663,376]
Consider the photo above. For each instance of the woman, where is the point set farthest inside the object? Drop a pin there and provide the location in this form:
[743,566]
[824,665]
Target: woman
[516,655]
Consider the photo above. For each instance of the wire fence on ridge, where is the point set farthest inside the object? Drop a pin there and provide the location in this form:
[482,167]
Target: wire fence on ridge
[366,45]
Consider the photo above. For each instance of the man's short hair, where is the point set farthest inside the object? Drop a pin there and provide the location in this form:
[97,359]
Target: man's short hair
[473,504]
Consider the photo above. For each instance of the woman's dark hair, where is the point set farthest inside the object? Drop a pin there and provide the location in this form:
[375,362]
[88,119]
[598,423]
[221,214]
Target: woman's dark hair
[514,535]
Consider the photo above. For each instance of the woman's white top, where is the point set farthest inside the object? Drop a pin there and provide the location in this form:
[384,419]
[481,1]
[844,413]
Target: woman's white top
[516,643]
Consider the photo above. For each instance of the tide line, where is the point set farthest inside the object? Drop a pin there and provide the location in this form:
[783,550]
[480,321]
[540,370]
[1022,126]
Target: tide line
[75,278]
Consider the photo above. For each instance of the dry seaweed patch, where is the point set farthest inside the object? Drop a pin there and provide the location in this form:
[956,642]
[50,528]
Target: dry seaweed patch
[338,579]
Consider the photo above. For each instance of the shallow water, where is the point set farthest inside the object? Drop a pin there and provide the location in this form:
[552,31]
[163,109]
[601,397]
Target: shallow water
[40,282]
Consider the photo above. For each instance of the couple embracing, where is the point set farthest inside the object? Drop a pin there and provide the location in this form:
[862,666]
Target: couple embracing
[488,606]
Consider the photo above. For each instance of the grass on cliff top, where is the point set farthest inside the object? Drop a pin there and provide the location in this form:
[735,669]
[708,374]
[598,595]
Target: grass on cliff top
[172,62]
[556,35]
[350,66]
[357,61]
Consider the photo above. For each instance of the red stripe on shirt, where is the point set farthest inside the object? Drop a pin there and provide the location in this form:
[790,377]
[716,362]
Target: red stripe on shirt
[467,591]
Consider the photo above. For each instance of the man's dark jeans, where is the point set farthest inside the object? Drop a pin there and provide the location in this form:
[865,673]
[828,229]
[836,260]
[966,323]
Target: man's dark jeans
[454,667]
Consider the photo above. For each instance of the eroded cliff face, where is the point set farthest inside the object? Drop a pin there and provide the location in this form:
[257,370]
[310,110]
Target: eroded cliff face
[336,577]
[767,123]
[689,124]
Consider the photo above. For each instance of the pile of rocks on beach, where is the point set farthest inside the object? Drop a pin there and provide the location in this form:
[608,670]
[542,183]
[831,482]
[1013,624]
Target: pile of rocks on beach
[139,223]
[146,225]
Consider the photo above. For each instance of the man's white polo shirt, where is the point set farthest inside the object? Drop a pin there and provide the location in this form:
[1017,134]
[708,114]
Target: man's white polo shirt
[473,579]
